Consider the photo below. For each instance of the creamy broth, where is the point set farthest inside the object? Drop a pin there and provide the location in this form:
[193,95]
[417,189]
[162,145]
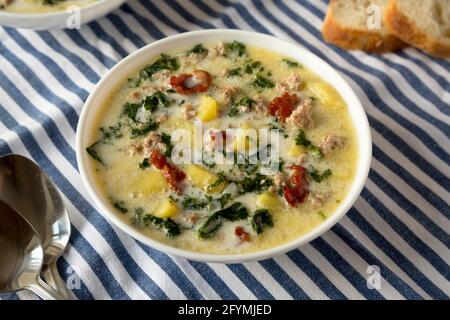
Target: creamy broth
[224,208]
[40,6]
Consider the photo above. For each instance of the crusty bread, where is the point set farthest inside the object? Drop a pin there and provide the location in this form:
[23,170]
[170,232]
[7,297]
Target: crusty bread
[424,24]
[345,25]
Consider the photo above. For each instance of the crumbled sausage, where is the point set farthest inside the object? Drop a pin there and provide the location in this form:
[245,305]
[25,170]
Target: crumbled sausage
[330,143]
[302,115]
[226,94]
[260,105]
[151,142]
[188,111]
[220,49]
[292,83]
[317,199]
[279,180]
[242,234]
[162,117]
[191,218]
[135,148]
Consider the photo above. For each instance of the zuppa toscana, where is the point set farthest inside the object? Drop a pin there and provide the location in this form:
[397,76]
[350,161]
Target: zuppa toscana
[229,95]
[40,6]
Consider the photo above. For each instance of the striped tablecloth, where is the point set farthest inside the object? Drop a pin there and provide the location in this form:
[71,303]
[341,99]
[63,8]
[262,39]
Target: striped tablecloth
[400,223]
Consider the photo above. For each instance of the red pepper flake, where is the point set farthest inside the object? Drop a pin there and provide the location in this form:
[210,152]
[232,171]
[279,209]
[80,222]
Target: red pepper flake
[201,78]
[172,174]
[297,190]
[282,107]
[242,234]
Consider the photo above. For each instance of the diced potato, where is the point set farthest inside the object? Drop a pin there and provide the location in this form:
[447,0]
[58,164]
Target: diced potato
[149,182]
[295,150]
[246,125]
[202,178]
[166,209]
[268,200]
[208,109]
[245,138]
[326,93]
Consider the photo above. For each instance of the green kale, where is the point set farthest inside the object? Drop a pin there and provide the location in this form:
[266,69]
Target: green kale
[170,228]
[257,184]
[236,48]
[223,200]
[156,100]
[191,203]
[262,82]
[111,131]
[149,126]
[221,179]
[93,153]
[144,164]
[319,177]
[165,62]
[198,49]
[302,140]
[166,139]
[245,102]
[291,64]
[234,72]
[120,205]
[260,219]
[252,66]
[234,212]
[136,219]
[130,110]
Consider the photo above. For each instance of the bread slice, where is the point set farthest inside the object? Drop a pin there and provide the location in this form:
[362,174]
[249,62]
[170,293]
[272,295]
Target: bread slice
[424,24]
[346,26]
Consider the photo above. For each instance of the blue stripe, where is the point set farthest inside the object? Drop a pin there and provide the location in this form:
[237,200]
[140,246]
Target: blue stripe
[126,31]
[101,34]
[78,63]
[216,282]
[401,286]
[385,245]
[40,87]
[284,279]
[54,69]
[82,292]
[345,269]
[315,275]
[411,238]
[187,16]
[161,16]
[250,282]
[147,24]
[445,84]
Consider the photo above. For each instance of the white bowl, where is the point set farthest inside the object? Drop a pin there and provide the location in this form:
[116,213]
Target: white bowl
[57,20]
[142,57]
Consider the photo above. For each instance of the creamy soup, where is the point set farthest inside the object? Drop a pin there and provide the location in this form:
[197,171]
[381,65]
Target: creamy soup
[182,150]
[40,6]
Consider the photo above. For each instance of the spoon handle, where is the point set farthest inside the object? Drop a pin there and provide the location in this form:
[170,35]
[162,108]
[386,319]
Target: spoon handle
[53,278]
[43,290]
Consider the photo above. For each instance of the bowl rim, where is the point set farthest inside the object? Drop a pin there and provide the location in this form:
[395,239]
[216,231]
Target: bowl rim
[364,151]
[34,15]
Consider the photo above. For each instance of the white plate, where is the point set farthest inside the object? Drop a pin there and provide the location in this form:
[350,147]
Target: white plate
[57,20]
[136,61]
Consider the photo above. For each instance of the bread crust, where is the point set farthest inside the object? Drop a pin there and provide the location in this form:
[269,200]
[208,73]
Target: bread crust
[353,39]
[401,26]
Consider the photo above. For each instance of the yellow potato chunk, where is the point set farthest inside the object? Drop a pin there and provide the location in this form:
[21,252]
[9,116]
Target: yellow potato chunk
[326,93]
[295,150]
[202,178]
[166,209]
[149,182]
[246,138]
[208,109]
[268,200]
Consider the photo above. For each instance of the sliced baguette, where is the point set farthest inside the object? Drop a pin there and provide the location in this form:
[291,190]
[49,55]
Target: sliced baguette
[345,26]
[424,24]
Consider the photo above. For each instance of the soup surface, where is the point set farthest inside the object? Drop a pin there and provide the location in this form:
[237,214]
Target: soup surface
[224,148]
[40,6]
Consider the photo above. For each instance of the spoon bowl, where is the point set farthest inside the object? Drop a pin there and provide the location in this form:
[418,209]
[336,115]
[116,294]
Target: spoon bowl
[21,256]
[27,189]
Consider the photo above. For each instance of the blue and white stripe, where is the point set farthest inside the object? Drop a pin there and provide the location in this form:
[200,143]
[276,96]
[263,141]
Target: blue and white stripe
[400,222]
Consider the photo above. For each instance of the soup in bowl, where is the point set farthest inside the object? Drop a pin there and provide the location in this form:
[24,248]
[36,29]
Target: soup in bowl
[223,146]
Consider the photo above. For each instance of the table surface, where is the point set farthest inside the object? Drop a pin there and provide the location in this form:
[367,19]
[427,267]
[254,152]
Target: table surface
[400,223]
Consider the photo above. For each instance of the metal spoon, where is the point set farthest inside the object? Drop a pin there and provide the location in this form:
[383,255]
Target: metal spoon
[21,256]
[25,188]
